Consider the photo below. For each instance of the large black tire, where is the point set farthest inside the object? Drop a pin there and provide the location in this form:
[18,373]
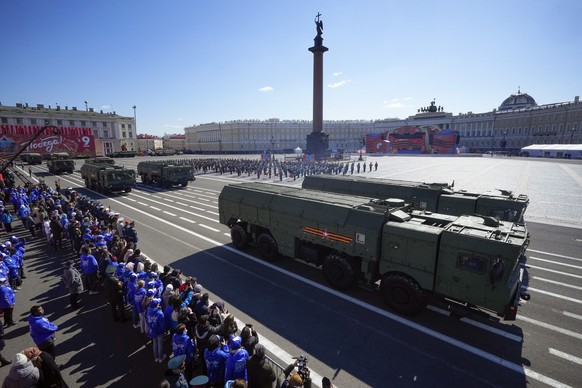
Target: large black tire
[402,294]
[239,236]
[184,184]
[338,271]
[267,247]
[128,190]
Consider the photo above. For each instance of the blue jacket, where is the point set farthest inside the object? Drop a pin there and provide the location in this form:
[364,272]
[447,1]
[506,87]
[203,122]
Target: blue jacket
[88,264]
[41,329]
[155,321]
[236,365]
[215,364]
[183,344]
[6,297]
[138,297]
[12,265]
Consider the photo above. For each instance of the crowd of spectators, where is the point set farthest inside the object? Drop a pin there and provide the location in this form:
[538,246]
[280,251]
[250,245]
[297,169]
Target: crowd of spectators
[171,309]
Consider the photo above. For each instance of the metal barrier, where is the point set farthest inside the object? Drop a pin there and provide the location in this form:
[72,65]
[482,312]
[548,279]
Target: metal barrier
[278,369]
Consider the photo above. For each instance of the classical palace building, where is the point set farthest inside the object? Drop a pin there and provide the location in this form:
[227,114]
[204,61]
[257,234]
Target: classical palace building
[111,132]
[518,122]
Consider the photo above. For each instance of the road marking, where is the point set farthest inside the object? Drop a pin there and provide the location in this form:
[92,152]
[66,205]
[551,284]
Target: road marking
[182,211]
[555,254]
[554,295]
[554,262]
[169,200]
[493,330]
[438,310]
[181,204]
[132,200]
[227,234]
[209,228]
[156,196]
[203,199]
[189,220]
[171,214]
[143,204]
[215,213]
[155,208]
[572,315]
[550,327]
[566,356]
[558,283]
[197,208]
[553,271]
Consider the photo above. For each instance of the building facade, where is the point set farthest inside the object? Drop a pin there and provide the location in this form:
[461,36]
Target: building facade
[255,136]
[174,142]
[518,122]
[111,132]
[146,143]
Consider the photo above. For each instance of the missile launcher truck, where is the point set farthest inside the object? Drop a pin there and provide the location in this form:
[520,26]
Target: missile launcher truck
[165,174]
[434,197]
[58,166]
[411,257]
[106,178]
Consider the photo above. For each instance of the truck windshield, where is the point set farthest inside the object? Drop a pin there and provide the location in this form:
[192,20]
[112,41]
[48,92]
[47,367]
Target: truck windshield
[120,175]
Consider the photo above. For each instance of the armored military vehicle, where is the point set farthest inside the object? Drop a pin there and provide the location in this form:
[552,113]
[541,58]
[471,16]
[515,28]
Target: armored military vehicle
[31,158]
[106,178]
[415,256]
[60,164]
[434,197]
[165,173]
[101,160]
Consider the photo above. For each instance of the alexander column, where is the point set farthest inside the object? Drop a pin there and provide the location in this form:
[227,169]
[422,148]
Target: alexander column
[318,141]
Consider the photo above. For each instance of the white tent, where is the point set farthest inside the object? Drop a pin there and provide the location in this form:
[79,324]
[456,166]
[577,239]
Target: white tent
[564,151]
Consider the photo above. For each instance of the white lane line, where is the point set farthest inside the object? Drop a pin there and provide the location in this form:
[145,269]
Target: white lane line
[209,228]
[208,211]
[155,208]
[437,310]
[572,315]
[190,221]
[553,271]
[550,327]
[566,356]
[156,196]
[286,358]
[555,262]
[169,200]
[170,214]
[131,199]
[493,330]
[554,254]
[558,283]
[197,208]
[181,204]
[203,199]
[227,234]
[143,204]
[554,295]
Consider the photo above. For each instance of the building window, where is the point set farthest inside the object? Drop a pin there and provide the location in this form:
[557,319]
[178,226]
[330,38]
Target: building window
[95,133]
[82,123]
[4,120]
[93,123]
[130,134]
[104,124]
[129,126]
[105,133]
[122,126]
[123,134]
[18,120]
[32,121]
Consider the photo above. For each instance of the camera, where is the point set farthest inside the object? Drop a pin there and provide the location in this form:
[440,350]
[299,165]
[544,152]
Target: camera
[301,364]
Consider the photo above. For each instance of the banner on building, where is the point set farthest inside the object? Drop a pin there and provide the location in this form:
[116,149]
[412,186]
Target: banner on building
[78,142]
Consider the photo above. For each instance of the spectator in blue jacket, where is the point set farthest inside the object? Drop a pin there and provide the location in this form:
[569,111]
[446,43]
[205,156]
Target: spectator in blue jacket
[138,297]
[156,329]
[90,269]
[7,301]
[215,358]
[183,344]
[42,330]
[236,363]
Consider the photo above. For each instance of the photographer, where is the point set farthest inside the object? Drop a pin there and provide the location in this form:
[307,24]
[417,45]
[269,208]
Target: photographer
[300,378]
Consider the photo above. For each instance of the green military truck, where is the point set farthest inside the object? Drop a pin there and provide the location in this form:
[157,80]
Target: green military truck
[411,257]
[101,160]
[434,197]
[59,163]
[165,174]
[106,178]
[31,158]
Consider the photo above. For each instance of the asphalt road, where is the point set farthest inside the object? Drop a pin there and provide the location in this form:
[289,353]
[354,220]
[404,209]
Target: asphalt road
[350,337]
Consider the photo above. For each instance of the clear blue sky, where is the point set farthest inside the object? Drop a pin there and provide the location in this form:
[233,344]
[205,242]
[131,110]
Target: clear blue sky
[187,62]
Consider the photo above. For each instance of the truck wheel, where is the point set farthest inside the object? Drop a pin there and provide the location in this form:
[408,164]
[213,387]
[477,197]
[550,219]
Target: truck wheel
[402,294]
[239,236]
[184,184]
[338,271]
[267,247]
[128,190]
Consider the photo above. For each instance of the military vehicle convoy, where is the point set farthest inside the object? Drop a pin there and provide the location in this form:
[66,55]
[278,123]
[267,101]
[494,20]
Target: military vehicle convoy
[165,173]
[59,166]
[106,178]
[415,256]
[434,197]
[31,158]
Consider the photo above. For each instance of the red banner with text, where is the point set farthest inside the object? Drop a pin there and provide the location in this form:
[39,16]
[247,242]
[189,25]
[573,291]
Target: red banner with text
[75,141]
